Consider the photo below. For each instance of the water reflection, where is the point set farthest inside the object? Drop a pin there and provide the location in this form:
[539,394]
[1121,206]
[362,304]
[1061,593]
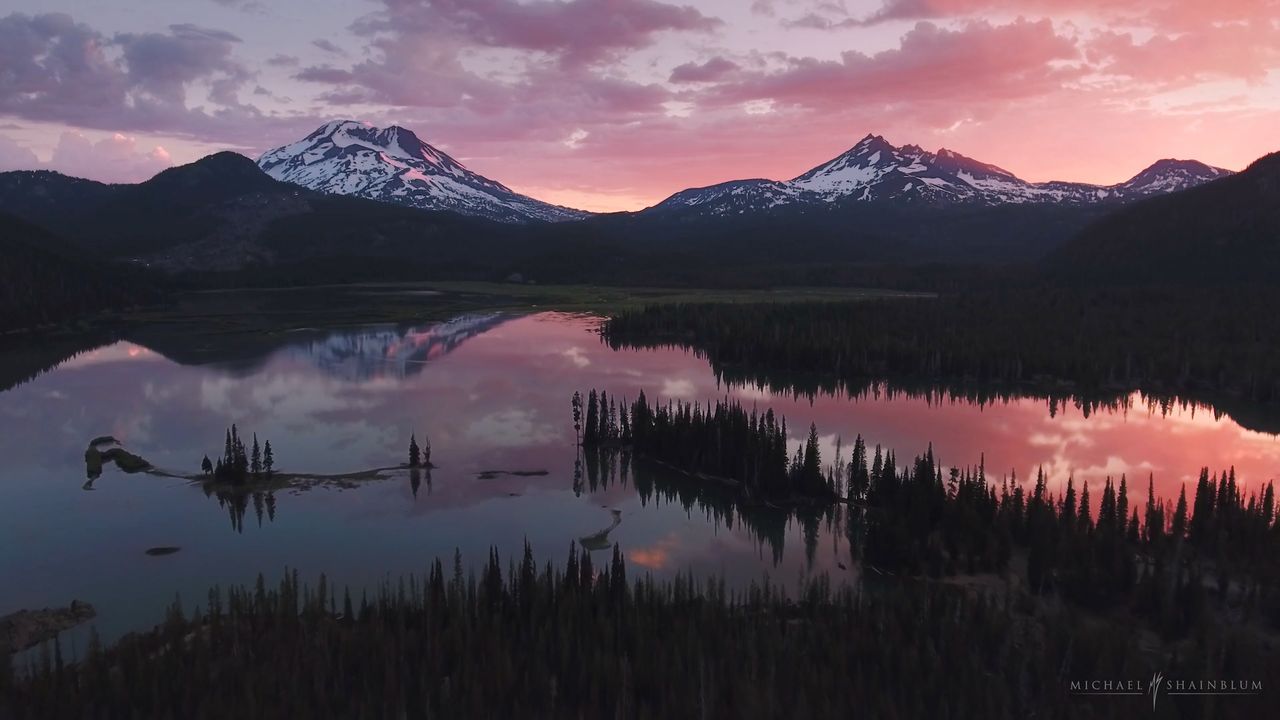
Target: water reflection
[492,392]
[394,352]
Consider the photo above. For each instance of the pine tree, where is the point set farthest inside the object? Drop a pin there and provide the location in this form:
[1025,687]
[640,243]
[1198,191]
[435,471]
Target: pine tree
[589,435]
[576,404]
[268,460]
[255,461]
[415,454]
[1179,529]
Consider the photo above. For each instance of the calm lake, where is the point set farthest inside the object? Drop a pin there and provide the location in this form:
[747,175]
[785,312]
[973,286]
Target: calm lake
[492,392]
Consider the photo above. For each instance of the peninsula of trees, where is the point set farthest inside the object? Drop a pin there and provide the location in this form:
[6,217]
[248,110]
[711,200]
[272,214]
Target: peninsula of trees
[721,441]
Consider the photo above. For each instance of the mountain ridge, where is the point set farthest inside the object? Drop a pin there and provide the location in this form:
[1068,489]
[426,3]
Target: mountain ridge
[1222,232]
[392,164]
[875,170]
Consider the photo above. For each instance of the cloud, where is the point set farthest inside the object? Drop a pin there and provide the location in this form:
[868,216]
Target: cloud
[114,158]
[713,69]
[975,63]
[60,70]
[328,46]
[576,138]
[576,32]
[16,157]
[282,60]
[1243,50]
[164,65]
[1168,14]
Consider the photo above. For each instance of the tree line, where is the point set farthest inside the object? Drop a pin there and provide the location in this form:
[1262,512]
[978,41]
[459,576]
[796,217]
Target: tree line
[1171,562]
[721,440]
[1094,343]
[581,640]
[240,465]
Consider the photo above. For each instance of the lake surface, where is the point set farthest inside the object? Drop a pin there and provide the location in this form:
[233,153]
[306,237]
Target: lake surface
[492,392]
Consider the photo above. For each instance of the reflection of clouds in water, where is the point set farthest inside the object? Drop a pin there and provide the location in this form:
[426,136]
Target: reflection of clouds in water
[677,388]
[751,393]
[656,556]
[1114,467]
[577,356]
[135,428]
[512,428]
[289,398]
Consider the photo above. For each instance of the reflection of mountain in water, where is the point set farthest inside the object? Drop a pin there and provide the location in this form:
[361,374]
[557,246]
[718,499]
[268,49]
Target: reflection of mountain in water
[392,352]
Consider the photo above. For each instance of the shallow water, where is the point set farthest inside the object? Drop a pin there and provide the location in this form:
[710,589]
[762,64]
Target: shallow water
[491,391]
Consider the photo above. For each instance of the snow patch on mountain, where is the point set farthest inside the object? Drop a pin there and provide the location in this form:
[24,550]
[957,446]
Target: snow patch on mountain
[345,157]
[876,170]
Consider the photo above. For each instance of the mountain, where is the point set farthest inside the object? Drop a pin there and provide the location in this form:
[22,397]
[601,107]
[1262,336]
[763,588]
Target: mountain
[875,171]
[222,213]
[400,352]
[46,197]
[1226,231]
[345,157]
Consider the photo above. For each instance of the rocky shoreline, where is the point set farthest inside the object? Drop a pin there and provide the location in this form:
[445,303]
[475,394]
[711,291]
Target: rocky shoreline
[28,628]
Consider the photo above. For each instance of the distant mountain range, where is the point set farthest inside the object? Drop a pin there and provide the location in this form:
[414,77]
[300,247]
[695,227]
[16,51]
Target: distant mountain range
[345,157]
[381,204]
[875,171]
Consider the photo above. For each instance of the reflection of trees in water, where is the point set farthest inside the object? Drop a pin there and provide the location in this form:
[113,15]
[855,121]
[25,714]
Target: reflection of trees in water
[765,523]
[1251,416]
[236,500]
[416,475]
[236,504]
[22,362]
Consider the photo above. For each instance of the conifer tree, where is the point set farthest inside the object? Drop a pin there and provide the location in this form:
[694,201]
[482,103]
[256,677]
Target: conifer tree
[255,461]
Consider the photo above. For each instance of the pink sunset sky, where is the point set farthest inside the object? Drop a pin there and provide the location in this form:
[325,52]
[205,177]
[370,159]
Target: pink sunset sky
[615,104]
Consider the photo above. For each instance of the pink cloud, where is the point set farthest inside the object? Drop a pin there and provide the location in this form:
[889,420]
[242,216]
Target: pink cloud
[114,158]
[1182,14]
[575,31]
[1236,50]
[977,63]
[713,69]
[111,158]
[14,156]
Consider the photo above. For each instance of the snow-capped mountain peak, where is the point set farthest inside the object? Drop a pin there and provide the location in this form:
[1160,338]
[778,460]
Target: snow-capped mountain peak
[1171,176]
[876,170]
[392,164]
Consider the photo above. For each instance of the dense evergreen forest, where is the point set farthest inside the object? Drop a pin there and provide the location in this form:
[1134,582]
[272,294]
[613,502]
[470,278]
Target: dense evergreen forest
[43,282]
[1160,561]
[582,641]
[722,442]
[1086,343]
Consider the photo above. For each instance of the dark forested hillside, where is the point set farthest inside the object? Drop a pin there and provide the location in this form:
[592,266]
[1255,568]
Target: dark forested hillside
[221,216]
[1069,341]
[1227,231]
[42,281]
[222,213]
